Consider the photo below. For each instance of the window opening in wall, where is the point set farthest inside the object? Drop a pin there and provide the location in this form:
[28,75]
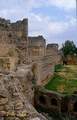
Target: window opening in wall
[42,100]
[54,102]
[9,35]
[64,106]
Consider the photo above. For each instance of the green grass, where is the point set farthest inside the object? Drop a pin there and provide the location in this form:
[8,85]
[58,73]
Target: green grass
[54,82]
[58,67]
[64,81]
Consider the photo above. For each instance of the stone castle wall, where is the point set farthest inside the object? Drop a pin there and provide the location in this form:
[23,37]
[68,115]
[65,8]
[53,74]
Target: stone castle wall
[8,57]
[52,50]
[14,36]
[20,28]
[23,63]
[37,46]
[20,48]
[44,56]
[42,70]
[16,96]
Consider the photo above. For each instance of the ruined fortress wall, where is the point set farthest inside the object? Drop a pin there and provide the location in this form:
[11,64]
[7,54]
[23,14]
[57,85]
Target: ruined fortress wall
[28,48]
[7,37]
[8,57]
[44,70]
[37,46]
[56,103]
[21,28]
[43,62]
[48,100]
[14,34]
[15,97]
[47,69]
[52,50]
[22,43]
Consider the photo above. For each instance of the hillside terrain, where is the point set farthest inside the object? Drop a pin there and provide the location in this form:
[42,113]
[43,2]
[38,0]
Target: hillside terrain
[64,80]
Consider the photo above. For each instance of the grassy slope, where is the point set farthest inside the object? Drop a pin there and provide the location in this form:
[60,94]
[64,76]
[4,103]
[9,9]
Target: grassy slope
[64,80]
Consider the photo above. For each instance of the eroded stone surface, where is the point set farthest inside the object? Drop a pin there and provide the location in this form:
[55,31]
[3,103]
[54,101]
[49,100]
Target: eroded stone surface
[24,62]
[15,100]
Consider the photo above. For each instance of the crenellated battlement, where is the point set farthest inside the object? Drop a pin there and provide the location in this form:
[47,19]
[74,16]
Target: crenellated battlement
[19,28]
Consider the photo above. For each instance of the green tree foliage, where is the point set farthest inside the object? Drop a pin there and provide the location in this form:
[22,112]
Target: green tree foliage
[69,48]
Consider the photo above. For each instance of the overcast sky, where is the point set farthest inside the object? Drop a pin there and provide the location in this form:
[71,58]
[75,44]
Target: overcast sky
[54,19]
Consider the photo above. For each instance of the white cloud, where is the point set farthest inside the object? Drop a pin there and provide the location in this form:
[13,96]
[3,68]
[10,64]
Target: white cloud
[39,24]
[53,31]
[65,4]
[22,8]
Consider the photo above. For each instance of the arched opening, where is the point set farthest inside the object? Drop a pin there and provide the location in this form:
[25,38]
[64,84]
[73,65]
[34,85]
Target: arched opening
[9,35]
[64,105]
[54,102]
[75,107]
[34,71]
[42,100]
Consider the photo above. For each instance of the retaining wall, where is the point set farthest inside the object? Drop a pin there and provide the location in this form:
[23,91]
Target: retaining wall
[56,104]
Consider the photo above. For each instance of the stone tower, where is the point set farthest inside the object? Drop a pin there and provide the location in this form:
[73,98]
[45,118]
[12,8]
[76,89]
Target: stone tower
[14,36]
[52,50]
[37,46]
[21,31]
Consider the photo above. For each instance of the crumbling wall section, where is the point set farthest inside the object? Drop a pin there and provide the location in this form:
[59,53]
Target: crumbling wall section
[56,104]
[43,70]
[37,46]
[52,49]
[15,34]
[15,101]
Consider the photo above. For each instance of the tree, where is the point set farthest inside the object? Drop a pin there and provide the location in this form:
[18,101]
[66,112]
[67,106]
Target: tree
[69,48]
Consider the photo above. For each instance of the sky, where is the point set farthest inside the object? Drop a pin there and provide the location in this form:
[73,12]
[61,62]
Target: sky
[54,19]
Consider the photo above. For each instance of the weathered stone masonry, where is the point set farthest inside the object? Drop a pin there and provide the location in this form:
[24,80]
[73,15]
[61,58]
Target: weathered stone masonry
[23,60]
[56,104]
[15,36]
[16,89]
